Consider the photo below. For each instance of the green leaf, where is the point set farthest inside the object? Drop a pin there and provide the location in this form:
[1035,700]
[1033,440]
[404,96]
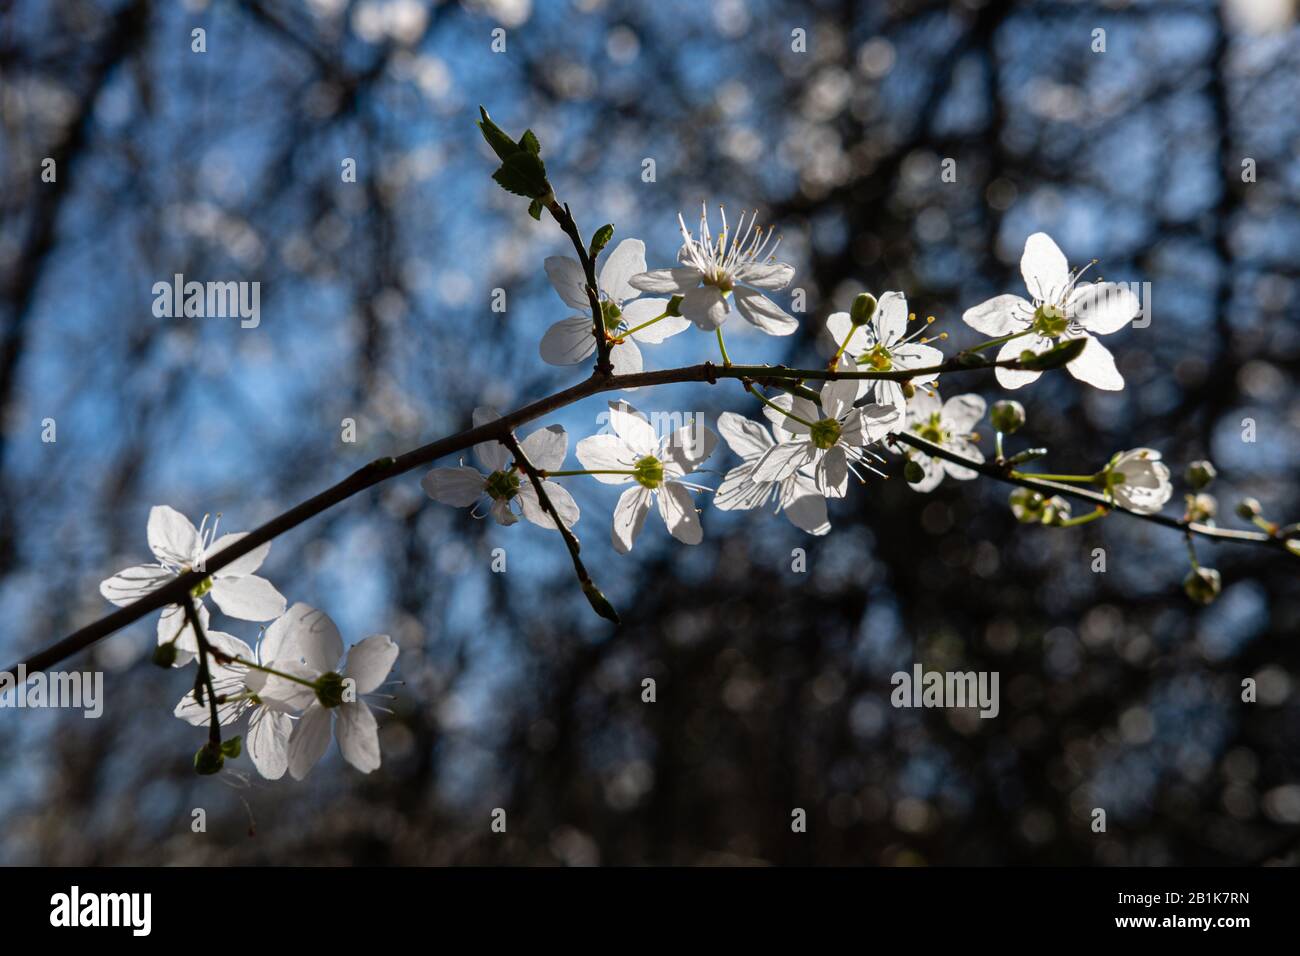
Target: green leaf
[232,747]
[496,137]
[1063,353]
[601,239]
[523,174]
[535,209]
[529,143]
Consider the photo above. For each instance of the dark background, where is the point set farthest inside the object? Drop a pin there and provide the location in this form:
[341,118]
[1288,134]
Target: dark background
[773,686]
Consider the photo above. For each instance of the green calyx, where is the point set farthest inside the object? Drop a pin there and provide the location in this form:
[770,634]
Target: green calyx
[329,689]
[502,485]
[649,472]
[825,433]
[1050,321]
[932,430]
[610,315]
[209,759]
[202,588]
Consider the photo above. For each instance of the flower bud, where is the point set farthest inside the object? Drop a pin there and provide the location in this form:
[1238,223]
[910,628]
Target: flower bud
[1248,509]
[164,655]
[599,603]
[209,759]
[1201,507]
[1199,474]
[864,307]
[1027,505]
[909,390]
[913,473]
[1203,585]
[1007,416]
[1055,510]
[1063,353]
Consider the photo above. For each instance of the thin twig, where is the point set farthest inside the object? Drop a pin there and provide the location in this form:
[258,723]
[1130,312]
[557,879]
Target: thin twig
[570,539]
[203,679]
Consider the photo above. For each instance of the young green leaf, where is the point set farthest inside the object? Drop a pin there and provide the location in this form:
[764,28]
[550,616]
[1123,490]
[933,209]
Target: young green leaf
[523,174]
[601,239]
[496,137]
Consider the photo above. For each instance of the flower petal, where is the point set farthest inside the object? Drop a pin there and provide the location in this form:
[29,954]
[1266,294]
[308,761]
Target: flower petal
[172,538]
[278,641]
[250,598]
[240,566]
[838,395]
[781,461]
[269,732]
[633,427]
[999,316]
[685,449]
[358,734]
[1096,367]
[1016,378]
[773,276]
[568,341]
[1103,307]
[643,310]
[460,487]
[570,282]
[890,319]
[740,492]
[962,413]
[492,455]
[626,359]
[806,509]
[315,640]
[131,584]
[833,473]
[1044,268]
[545,448]
[606,453]
[676,281]
[747,438]
[761,311]
[626,261]
[915,355]
[629,516]
[933,469]
[370,661]
[311,737]
[677,508]
[966,450]
[532,508]
[704,306]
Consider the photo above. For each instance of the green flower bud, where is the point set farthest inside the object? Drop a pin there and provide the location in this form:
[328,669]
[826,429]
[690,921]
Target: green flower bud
[329,689]
[864,307]
[1007,416]
[1203,585]
[1027,505]
[209,759]
[599,603]
[1200,474]
[1248,509]
[164,655]
[913,473]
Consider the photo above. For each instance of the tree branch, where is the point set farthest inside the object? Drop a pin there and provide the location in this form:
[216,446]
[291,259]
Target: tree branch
[177,590]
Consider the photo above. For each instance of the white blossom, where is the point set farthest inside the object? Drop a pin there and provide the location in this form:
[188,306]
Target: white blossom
[572,340]
[883,345]
[504,483]
[1061,309]
[796,495]
[180,547]
[949,425]
[828,443]
[1139,480]
[656,467]
[311,649]
[712,272]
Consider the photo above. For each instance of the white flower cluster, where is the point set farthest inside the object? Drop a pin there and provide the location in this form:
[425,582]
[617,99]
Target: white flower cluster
[291,684]
[813,446]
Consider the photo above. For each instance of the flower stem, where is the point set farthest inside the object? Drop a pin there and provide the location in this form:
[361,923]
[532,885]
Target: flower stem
[645,324]
[722,346]
[771,404]
[1078,479]
[585,471]
[1084,519]
[981,346]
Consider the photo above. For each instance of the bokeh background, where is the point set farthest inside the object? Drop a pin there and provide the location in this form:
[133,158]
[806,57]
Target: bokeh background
[773,685]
